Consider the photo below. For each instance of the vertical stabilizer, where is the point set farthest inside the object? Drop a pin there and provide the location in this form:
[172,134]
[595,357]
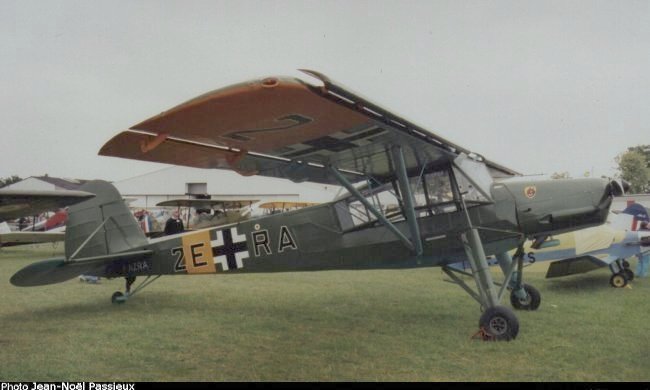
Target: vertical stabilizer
[119,232]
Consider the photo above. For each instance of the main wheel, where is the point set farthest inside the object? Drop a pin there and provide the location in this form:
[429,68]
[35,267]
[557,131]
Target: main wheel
[117,297]
[618,280]
[531,302]
[500,323]
[629,274]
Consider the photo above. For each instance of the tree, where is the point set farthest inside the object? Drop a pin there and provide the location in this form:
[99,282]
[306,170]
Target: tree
[634,168]
[643,149]
[9,180]
[560,175]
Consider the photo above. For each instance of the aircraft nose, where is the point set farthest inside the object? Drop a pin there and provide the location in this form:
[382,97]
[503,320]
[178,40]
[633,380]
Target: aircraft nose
[556,206]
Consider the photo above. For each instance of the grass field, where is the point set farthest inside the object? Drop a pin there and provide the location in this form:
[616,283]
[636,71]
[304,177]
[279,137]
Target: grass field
[406,325]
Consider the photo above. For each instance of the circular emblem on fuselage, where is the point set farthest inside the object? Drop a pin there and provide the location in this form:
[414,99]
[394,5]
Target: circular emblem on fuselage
[530,192]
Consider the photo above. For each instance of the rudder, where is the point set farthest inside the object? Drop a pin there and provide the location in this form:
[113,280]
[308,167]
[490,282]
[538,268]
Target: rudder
[120,230]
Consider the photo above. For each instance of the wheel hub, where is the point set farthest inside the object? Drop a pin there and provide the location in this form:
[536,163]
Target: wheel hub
[498,326]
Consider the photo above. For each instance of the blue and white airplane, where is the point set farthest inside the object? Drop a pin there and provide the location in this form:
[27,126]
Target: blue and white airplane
[589,249]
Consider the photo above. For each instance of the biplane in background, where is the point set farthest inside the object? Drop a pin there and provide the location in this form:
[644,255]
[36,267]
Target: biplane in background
[21,203]
[212,212]
[277,207]
[426,201]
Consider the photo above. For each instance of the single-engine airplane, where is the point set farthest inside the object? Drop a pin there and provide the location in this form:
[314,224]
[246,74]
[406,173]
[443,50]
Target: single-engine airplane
[427,202]
[607,245]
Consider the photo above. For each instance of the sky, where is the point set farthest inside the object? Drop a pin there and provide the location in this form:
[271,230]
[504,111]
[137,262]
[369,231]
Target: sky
[537,86]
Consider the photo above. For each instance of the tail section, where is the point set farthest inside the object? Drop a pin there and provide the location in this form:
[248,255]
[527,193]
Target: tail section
[104,220]
[99,231]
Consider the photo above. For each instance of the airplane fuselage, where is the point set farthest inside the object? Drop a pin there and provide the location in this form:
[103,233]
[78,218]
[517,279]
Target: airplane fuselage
[324,237]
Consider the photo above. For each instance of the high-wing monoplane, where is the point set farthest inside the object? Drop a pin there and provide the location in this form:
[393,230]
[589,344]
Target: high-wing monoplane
[426,201]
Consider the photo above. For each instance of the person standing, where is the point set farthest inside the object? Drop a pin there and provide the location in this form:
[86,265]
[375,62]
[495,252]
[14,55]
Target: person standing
[174,224]
[644,258]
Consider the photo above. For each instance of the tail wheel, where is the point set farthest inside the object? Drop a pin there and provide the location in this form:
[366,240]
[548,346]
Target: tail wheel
[531,302]
[117,297]
[500,323]
[618,280]
[629,274]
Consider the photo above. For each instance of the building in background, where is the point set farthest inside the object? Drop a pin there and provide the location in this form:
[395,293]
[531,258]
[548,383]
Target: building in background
[145,191]
[46,183]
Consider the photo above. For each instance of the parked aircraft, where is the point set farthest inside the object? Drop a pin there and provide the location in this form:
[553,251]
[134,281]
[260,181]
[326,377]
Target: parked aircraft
[19,203]
[427,202]
[279,207]
[606,245]
[11,238]
[222,211]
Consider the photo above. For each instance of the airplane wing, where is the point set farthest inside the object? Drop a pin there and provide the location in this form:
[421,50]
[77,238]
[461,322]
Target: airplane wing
[18,203]
[285,205]
[578,265]
[287,128]
[208,203]
[22,238]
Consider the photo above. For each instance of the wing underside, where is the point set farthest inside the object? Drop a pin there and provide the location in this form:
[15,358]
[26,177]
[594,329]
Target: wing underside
[19,238]
[18,203]
[208,203]
[284,127]
[575,265]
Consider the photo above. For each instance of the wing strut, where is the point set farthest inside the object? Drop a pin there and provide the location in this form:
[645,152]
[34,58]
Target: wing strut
[348,186]
[407,197]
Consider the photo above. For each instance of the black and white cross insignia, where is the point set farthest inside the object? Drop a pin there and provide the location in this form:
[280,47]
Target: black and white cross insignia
[229,249]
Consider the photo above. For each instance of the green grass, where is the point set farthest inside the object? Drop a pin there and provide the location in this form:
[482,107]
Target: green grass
[404,325]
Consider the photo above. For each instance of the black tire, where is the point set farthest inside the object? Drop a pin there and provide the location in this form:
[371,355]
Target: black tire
[618,280]
[500,323]
[629,274]
[532,301]
[115,297]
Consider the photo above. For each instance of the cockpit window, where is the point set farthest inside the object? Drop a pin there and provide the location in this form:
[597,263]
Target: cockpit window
[353,213]
[470,193]
[433,194]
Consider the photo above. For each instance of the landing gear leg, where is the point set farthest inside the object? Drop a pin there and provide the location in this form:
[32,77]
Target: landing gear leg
[497,322]
[522,296]
[129,282]
[119,297]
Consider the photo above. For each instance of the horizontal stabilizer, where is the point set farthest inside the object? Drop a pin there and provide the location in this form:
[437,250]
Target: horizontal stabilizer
[574,265]
[49,272]
[59,270]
